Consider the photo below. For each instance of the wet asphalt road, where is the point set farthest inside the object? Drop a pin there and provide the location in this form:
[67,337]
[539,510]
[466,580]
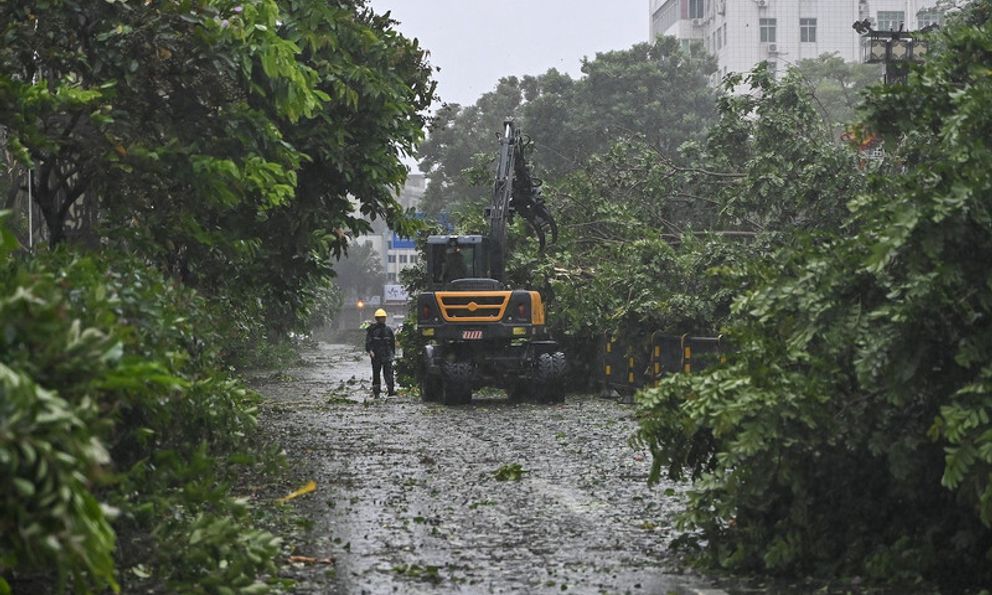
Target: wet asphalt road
[407,498]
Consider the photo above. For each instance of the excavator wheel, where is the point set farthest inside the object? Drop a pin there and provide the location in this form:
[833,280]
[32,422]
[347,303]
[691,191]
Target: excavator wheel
[550,375]
[430,388]
[456,383]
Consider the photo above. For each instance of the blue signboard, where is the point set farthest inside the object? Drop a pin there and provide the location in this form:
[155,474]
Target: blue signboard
[398,243]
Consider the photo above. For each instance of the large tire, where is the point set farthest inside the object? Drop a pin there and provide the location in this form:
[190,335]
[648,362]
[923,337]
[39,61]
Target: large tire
[550,376]
[456,383]
[431,388]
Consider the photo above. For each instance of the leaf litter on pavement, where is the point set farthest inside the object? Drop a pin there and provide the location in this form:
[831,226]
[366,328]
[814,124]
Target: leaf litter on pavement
[493,496]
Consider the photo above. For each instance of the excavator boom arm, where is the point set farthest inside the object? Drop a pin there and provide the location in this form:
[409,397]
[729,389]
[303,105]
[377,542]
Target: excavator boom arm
[515,191]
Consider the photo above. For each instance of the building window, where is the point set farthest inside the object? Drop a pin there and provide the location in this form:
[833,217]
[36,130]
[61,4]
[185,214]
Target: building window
[767,27]
[403,258]
[807,30]
[392,277]
[724,33]
[718,39]
[890,20]
[925,18]
[695,9]
[391,258]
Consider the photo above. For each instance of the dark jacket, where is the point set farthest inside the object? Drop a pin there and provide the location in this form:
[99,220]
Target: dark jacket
[380,340]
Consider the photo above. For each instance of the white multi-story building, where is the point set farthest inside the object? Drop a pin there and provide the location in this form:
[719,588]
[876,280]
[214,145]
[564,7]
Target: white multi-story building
[742,33]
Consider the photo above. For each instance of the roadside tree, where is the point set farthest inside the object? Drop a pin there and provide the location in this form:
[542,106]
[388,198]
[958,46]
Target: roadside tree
[849,432]
[221,141]
[657,92]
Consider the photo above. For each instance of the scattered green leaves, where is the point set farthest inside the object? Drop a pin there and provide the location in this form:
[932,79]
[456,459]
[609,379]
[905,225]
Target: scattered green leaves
[509,472]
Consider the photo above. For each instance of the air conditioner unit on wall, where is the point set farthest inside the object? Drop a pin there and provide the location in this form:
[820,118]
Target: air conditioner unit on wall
[772,48]
[761,3]
[697,22]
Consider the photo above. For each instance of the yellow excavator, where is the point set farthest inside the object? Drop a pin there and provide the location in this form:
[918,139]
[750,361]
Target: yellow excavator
[481,332]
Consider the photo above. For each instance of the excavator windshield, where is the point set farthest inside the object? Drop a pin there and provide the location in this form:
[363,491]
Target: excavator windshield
[453,260]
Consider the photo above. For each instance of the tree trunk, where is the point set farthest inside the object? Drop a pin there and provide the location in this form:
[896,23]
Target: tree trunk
[50,212]
[55,197]
[56,231]
[45,197]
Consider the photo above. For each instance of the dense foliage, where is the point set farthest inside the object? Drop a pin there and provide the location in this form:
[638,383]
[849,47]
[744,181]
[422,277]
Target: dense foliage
[642,231]
[652,195]
[656,90]
[114,414]
[231,150]
[226,141]
[850,432]
[360,273]
[838,86]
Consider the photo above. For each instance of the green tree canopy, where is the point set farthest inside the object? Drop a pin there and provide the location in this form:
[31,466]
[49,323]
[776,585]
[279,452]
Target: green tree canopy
[360,273]
[457,135]
[222,140]
[766,170]
[838,86]
[656,91]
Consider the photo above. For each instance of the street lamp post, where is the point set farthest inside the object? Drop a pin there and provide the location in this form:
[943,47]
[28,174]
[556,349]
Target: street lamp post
[896,49]
[359,306]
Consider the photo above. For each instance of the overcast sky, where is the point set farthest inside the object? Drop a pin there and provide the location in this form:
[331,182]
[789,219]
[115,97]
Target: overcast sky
[475,42]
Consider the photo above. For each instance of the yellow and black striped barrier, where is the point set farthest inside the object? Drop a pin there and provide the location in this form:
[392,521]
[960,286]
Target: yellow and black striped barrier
[628,365]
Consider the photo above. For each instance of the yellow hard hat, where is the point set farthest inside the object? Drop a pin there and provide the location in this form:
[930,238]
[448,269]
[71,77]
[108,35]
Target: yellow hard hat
[380,312]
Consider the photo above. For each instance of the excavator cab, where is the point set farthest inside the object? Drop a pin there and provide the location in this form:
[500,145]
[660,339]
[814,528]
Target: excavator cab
[451,259]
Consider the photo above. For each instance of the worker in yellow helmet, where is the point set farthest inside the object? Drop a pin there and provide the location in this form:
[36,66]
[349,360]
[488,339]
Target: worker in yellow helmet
[380,344]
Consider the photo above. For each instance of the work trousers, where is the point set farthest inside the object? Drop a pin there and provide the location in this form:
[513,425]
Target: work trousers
[385,365]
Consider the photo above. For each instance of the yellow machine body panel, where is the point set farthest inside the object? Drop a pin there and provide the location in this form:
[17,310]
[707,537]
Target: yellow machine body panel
[472,306]
[536,308]
[481,307]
